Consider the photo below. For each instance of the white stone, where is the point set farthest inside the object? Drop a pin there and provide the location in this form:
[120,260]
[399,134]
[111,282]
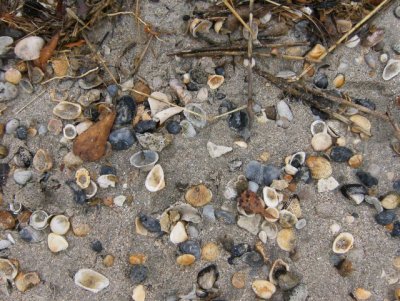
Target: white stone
[329,184]
[178,233]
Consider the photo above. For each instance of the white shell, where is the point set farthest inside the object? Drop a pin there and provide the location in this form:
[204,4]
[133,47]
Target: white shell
[91,190]
[178,233]
[91,280]
[106,181]
[391,70]
[67,110]
[59,224]
[353,41]
[139,293]
[329,184]
[119,200]
[163,115]
[266,18]
[158,102]
[28,49]
[270,229]
[83,126]
[346,238]
[70,131]
[155,179]
[39,220]
[271,197]
[216,151]
[56,243]
[290,170]
[283,110]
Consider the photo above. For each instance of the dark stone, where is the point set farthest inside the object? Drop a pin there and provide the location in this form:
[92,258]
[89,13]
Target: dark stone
[107,170]
[150,223]
[122,138]
[369,104]
[173,127]
[303,175]
[366,178]
[24,157]
[396,185]
[352,189]
[138,273]
[4,170]
[97,246]
[92,113]
[238,120]
[112,90]
[317,112]
[341,154]
[270,173]
[22,133]
[385,217]
[126,110]
[226,217]
[185,18]
[226,106]
[79,194]
[190,247]
[145,126]
[220,96]
[220,70]
[396,229]
[33,9]
[238,251]
[192,86]
[253,259]
[321,81]
[270,112]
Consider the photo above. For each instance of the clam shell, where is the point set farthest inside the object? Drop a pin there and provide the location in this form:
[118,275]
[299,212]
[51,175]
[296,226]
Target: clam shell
[210,252]
[59,224]
[343,243]
[91,280]
[271,214]
[271,197]
[391,201]
[291,170]
[279,266]
[7,269]
[82,178]
[185,259]
[360,122]
[155,179]
[287,219]
[56,243]
[317,51]
[353,41]
[188,131]
[39,220]
[270,229]
[320,167]
[67,110]
[286,239]
[69,131]
[339,81]
[37,75]
[25,281]
[198,195]
[321,142]
[158,102]
[199,26]
[263,288]
[178,233]
[391,70]
[144,160]
[215,81]
[42,161]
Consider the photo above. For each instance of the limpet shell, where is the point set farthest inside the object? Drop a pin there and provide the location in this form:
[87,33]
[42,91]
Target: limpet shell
[185,259]
[263,288]
[42,161]
[91,280]
[69,131]
[56,243]
[320,167]
[144,160]
[67,110]
[343,243]
[155,179]
[198,195]
[286,239]
[82,178]
[59,224]
[215,81]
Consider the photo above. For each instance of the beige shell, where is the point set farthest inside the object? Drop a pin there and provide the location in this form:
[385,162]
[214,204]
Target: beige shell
[56,243]
[8,269]
[198,195]
[139,228]
[343,243]
[263,288]
[360,122]
[13,76]
[286,239]
[320,141]
[320,167]
[210,252]
[391,201]
[218,25]
[278,266]
[155,179]
[163,115]
[25,281]
[82,178]
[271,197]
[67,110]
[294,207]
[316,52]
[215,81]
[356,161]
[42,161]
[91,280]
[271,214]
[158,102]
[362,294]
[185,259]
[199,26]
[339,81]
[270,229]
[59,224]
[139,293]
[83,126]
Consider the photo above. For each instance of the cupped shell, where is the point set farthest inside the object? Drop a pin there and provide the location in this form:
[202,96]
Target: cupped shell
[8,269]
[39,220]
[263,288]
[360,123]
[144,160]
[67,110]
[215,81]
[271,197]
[286,239]
[91,280]
[199,26]
[198,195]
[320,167]
[82,178]
[155,179]
[56,243]
[42,161]
[59,224]
[391,70]
[69,131]
[343,243]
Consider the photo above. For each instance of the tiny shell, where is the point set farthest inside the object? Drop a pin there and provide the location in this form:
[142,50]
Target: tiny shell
[82,178]
[155,179]
[144,160]
[391,70]
[353,41]
[218,26]
[339,81]
[199,26]
[56,243]
[316,52]
[263,288]
[271,197]
[178,233]
[139,293]
[39,220]
[362,294]
[356,161]
[67,110]
[185,259]
[320,167]
[7,220]
[286,239]
[25,281]
[91,280]
[69,131]
[391,201]
[343,243]
[198,195]
[215,81]
[28,49]
[106,181]
[360,122]
[59,224]
[42,161]
[8,269]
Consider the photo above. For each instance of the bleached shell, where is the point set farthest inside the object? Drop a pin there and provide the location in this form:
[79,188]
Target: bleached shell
[144,160]
[106,181]
[353,41]
[263,288]
[178,233]
[91,190]
[218,25]
[391,70]
[187,212]
[67,110]
[56,243]
[283,110]
[290,169]
[158,102]
[329,184]
[286,239]
[360,122]
[301,155]
[155,179]
[69,131]
[91,280]
[39,220]
[139,293]
[163,115]
[8,269]
[343,243]
[83,126]
[271,197]
[59,224]
[321,142]
[28,49]
[82,178]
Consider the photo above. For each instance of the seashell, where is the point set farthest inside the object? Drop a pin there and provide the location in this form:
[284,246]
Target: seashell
[353,41]
[271,214]
[290,169]
[31,235]
[343,26]
[202,95]
[210,252]
[67,110]
[142,87]
[343,243]
[155,179]
[106,181]
[355,192]
[25,281]
[249,223]
[5,43]
[218,25]
[216,151]
[339,81]
[139,293]
[155,142]
[188,213]
[181,90]
[178,233]
[198,195]
[316,52]
[356,161]
[199,26]
[56,243]
[215,81]
[286,239]
[263,288]
[266,18]
[298,159]
[39,220]
[28,49]
[70,160]
[188,131]
[321,80]
[82,178]
[59,224]
[286,74]
[278,268]
[91,280]
[144,160]
[198,118]
[362,294]
[8,270]
[270,229]
[185,259]
[271,197]
[301,224]
[88,85]
[360,122]
[163,115]
[391,70]
[83,126]
[374,38]
[320,141]
[293,206]
[69,131]
[287,219]
[42,161]
[37,75]
[207,277]
[13,76]
[370,60]
[335,128]
[60,66]
[391,201]
[320,167]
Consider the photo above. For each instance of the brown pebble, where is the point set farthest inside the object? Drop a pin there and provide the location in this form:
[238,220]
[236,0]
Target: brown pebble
[239,279]
[81,230]
[141,87]
[210,252]
[137,259]
[356,161]
[108,261]
[345,268]
[7,221]
[270,112]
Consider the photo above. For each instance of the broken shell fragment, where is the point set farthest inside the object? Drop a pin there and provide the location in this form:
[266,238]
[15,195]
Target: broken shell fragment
[286,239]
[270,230]
[69,131]
[56,243]
[199,26]
[343,243]
[316,52]
[25,281]
[391,70]
[320,167]
[59,224]
[155,179]
[353,41]
[216,151]
[178,233]
[144,160]
[215,81]
[82,178]
[67,110]
[106,181]
[185,259]
[198,195]
[91,280]
[42,161]
[263,289]
[278,268]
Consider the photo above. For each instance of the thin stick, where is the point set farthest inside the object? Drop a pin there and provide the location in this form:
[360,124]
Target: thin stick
[139,61]
[230,112]
[235,13]
[30,102]
[346,35]
[72,77]
[250,101]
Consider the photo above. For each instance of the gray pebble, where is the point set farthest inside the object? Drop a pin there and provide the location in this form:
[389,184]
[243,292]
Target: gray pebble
[42,130]
[396,48]
[11,126]
[4,244]
[7,91]
[299,293]
[235,165]
[226,217]
[253,186]
[193,232]
[22,176]
[138,273]
[397,11]
[375,202]
[208,213]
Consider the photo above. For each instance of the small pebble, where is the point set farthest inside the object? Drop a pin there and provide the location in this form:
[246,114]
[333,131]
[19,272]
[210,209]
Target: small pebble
[301,224]
[226,217]
[369,104]
[151,224]
[8,91]
[22,132]
[97,246]
[108,261]
[253,259]
[190,247]
[239,279]
[210,252]
[11,126]
[22,176]
[138,273]
[208,213]
[335,228]
[385,217]
[107,170]
[173,127]
[341,154]
[321,81]
[366,178]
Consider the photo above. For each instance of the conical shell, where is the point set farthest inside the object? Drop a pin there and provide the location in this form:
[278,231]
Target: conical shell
[67,110]
[91,280]
[155,179]
[56,243]
[263,288]
[343,243]
[320,167]
[59,224]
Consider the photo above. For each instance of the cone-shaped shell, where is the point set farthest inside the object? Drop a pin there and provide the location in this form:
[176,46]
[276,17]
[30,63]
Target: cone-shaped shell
[56,243]
[320,167]
[263,288]
[198,195]
[59,224]
[67,110]
[90,280]
[343,243]
[155,179]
